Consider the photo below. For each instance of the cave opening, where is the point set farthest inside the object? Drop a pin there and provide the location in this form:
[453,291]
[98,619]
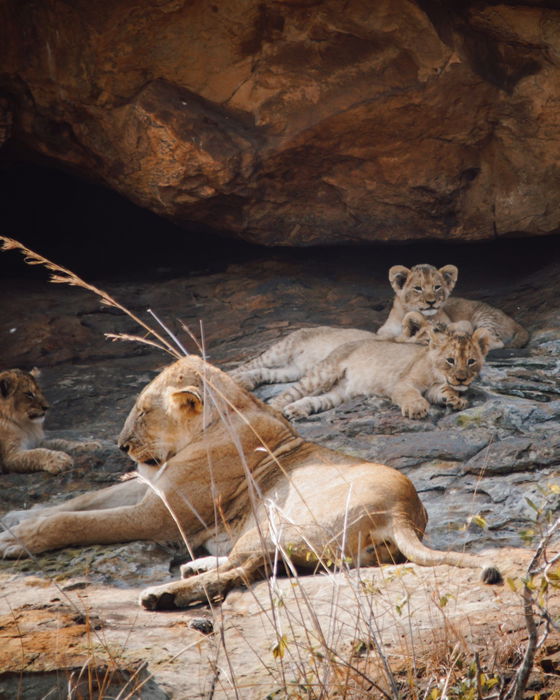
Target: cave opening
[100,234]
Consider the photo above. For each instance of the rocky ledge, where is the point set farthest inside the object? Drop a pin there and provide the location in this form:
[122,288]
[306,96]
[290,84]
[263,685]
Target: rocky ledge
[483,474]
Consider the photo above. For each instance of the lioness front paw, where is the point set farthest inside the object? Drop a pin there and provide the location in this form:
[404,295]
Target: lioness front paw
[416,408]
[57,462]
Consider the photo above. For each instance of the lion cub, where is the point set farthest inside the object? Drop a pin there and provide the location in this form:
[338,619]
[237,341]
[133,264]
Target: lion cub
[411,375]
[426,289]
[23,447]
[290,358]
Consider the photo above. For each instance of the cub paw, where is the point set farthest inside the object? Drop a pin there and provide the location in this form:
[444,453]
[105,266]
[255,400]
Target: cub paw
[417,408]
[57,462]
[89,445]
[293,412]
[452,399]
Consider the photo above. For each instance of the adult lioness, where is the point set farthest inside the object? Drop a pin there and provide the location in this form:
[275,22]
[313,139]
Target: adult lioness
[426,289]
[23,447]
[234,471]
[405,373]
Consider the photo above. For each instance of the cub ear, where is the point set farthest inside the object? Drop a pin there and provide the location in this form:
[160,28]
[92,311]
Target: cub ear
[187,400]
[35,373]
[450,273]
[6,384]
[397,276]
[413,323]
[483,339]
[438,333]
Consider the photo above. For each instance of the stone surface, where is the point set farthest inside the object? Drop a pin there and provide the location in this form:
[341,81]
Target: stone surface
[470,468]
[298,123]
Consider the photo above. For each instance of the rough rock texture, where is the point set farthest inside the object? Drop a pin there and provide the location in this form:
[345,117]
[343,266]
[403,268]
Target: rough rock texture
[498,459]
[298,123]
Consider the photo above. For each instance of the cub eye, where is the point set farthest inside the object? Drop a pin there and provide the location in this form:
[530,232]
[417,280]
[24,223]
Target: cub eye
[450,361]
[471,361]
[29,395]
[417,289]
[437,287]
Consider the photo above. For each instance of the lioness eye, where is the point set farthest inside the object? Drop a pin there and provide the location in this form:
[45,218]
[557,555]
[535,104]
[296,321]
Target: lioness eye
[471,361]
[437,287]
[417,289]
[30,394]
[450,360]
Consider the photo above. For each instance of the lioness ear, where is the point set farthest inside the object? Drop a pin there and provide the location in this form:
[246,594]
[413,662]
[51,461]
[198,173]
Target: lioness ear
[413,323]
[6,385]
[35,373]
[397,276]
[187,400]
[483,339]
[450,273]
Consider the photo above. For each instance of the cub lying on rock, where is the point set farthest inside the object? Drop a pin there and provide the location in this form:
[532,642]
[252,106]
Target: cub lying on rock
[425,289]
[23,447]
[289,358]
[200,440]
[406,373]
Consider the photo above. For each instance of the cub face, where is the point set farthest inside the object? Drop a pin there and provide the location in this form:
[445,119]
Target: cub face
[164,418]
[423,288]
[458,354]
[21,397]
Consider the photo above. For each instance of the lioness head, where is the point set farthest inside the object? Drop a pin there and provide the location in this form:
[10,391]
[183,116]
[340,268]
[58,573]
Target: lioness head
[423,288]
[186,399]
[166,414]
[21,398]
[458,353]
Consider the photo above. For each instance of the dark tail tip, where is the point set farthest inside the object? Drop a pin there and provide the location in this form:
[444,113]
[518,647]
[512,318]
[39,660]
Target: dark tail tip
[491,575]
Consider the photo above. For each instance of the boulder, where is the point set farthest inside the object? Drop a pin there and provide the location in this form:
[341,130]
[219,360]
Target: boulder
[298,123]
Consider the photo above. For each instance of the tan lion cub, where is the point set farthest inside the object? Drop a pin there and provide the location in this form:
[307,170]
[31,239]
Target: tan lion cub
[406,373]
[290,358]
[426,289]
[23,447]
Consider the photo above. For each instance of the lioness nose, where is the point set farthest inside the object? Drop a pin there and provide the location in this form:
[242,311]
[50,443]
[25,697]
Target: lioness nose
[124,446]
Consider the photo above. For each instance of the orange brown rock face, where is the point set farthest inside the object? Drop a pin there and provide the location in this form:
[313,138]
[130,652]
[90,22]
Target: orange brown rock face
[298,123]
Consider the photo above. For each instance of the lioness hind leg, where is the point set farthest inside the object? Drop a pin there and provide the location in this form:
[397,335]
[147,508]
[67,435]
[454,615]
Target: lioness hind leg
[205,587]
